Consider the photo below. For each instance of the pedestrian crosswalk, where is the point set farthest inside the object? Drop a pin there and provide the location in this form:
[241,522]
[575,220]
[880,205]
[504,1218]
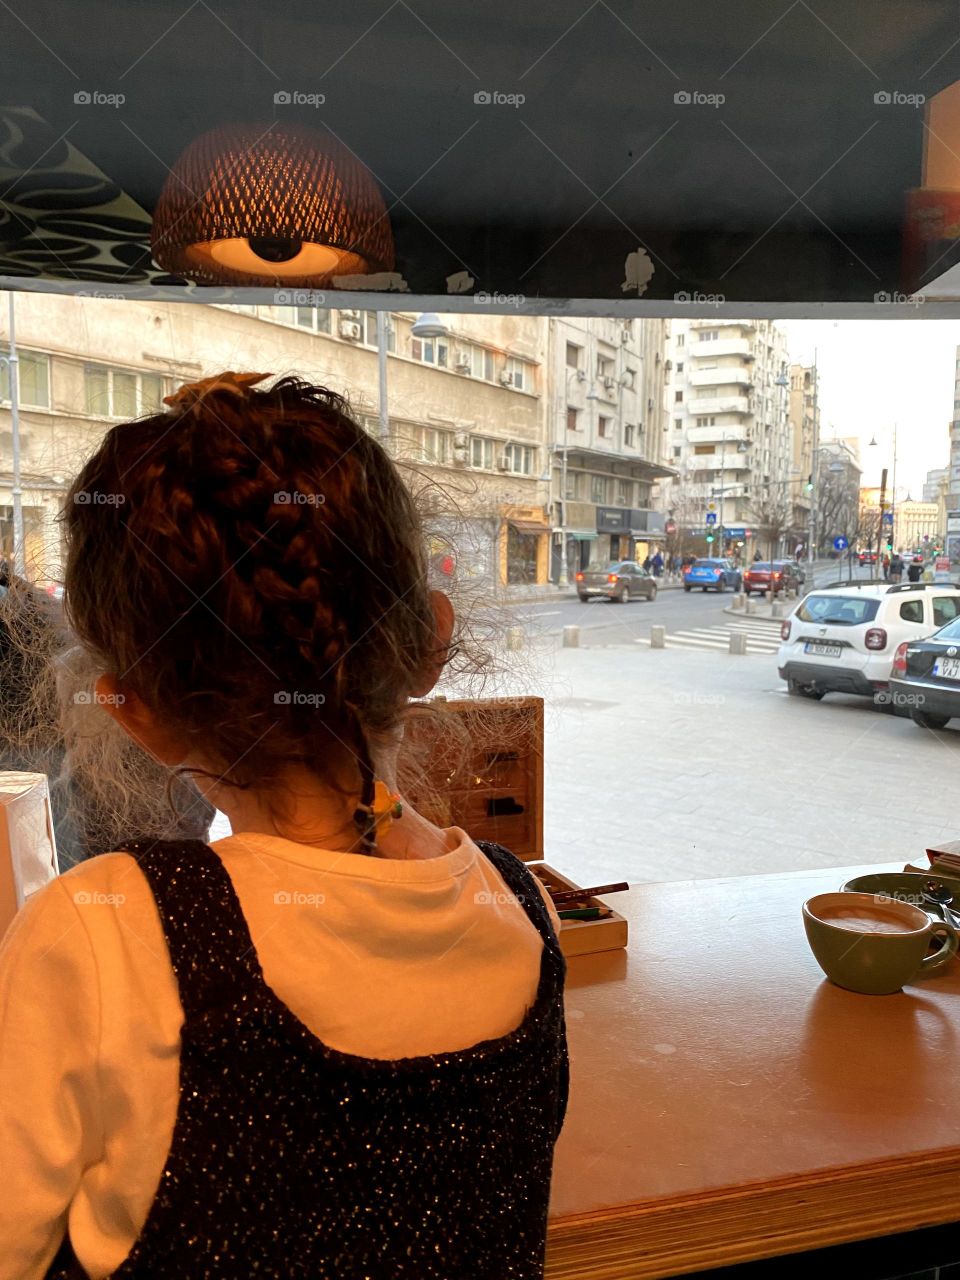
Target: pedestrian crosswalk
[761,637]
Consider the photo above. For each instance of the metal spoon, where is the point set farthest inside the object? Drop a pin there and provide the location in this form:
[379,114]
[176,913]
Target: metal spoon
[941,896]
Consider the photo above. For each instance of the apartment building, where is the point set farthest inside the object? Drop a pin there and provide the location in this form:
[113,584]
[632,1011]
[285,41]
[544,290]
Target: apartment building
[935,489]
[606,433]
[804,428]
[730,435]
[526,436]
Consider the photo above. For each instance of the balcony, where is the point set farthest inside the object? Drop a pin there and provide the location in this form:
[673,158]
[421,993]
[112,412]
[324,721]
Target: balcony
[715,435]
[722,376]
[722,347]
[720,404]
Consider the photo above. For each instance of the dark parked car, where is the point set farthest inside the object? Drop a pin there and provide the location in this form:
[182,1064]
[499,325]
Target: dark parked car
[712,573]
[621,581]
[925,680]
[867,557]
[771,576]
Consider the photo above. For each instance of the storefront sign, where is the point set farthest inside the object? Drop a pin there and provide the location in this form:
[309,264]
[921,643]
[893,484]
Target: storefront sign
[611,519]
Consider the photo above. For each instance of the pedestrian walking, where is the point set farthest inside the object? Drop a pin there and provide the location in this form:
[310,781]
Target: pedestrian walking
[647,563]
[886,567]
[914,570]
[658,565]
[896,567]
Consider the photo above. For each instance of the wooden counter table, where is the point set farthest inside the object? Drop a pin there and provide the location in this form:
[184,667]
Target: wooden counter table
[728,1103]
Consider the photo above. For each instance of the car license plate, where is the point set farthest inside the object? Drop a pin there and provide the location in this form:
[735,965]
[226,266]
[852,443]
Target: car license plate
[823,650]
[947,668]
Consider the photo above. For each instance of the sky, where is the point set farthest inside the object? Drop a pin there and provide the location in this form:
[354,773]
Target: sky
[877,373]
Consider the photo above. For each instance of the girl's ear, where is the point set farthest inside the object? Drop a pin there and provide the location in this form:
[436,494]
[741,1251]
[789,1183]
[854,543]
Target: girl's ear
[136,720]
[444,618]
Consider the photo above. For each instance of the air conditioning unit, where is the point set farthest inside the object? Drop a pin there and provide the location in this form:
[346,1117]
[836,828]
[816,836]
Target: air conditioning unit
[350,315]
[462,364]
[503,462]
[506,379]
[350,329]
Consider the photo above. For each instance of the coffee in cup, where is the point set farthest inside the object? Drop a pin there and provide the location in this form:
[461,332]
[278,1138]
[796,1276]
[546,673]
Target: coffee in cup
[872,943]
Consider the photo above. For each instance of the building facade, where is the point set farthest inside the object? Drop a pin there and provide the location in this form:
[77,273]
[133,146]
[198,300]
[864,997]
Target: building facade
[804,429]
[730,435]
[606,429]
[525,436]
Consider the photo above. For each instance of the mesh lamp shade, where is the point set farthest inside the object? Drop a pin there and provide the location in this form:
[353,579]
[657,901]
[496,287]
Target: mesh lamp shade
[268,205]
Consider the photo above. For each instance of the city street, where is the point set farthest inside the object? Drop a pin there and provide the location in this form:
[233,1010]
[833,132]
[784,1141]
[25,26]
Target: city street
[666,764]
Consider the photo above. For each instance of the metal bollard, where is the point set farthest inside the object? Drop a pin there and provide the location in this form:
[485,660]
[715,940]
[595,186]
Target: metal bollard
[571,637]
[738,642]
[749,606]
[776,609]
[658,637]
[515,637]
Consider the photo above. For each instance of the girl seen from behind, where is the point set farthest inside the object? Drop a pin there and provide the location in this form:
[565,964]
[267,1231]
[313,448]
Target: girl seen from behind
[332,1044]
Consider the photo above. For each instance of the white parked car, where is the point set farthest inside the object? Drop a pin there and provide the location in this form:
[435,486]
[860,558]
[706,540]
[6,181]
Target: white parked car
[843,639]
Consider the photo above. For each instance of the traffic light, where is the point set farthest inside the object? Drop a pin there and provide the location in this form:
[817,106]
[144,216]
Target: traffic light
[709,537]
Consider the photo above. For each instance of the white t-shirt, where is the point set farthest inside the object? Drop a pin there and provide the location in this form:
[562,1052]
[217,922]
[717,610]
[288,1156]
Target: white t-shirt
[378,957]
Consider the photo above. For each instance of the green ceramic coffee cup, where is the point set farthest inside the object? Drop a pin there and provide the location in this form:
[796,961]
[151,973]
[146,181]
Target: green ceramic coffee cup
[869,943]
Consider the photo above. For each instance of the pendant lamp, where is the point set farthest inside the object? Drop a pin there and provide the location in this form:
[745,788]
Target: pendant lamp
[270,205]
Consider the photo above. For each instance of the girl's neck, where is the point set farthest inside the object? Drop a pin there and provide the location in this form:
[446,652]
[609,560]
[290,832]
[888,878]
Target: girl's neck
[312,813]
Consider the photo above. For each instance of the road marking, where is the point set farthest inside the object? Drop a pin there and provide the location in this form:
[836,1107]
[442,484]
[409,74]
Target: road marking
[550,613]
[717,639]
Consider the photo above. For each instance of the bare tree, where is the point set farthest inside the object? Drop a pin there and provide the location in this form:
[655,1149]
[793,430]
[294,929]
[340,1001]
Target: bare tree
[773,512]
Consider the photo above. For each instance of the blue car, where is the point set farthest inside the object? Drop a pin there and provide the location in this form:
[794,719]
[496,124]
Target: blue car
[712,574]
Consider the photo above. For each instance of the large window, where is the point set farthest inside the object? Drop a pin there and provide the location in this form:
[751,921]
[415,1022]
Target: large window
[520,458]
[482,452]
[431,351]
[598,488]
[33,384]
[116,393]
[368,331]
[432,445]
[573,356]
[518,373]
[573,416]
[317,319]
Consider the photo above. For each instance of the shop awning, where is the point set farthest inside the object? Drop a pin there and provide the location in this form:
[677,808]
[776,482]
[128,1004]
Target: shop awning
[583,535]
[528,526]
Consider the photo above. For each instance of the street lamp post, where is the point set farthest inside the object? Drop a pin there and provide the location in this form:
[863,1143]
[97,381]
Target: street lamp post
[12,363]
[814,466]
[783,382]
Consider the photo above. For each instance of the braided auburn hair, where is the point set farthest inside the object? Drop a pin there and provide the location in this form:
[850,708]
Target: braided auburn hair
[252,567]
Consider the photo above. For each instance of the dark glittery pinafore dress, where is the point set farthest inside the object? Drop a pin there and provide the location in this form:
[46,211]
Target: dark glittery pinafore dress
[292,1161]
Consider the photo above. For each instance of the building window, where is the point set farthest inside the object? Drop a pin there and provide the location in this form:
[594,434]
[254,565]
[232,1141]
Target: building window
[518,373]
[680,338]
[679,366]
[572,416]
[481,453]
[115,393]
[430,351]
[677,451]
[678,397]
[33,383]
[628,431]
[369,331]
[624,492]
[431,445]
[603,427]
[678,424]
[703,448]
[573,356]
[316,319]
[708,335]
[598,488]
[520,459]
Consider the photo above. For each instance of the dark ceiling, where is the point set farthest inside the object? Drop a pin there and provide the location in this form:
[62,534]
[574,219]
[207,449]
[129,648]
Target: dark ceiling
[791,190]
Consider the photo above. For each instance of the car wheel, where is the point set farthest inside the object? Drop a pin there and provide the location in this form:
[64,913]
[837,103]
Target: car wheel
[583,599]
[688,588]
[623,596]
[653,594]
[926,720]
[797,690]
[722,584]
[748,592]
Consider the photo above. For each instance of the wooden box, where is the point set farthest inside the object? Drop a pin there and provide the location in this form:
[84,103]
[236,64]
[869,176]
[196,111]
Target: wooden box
[482,770]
